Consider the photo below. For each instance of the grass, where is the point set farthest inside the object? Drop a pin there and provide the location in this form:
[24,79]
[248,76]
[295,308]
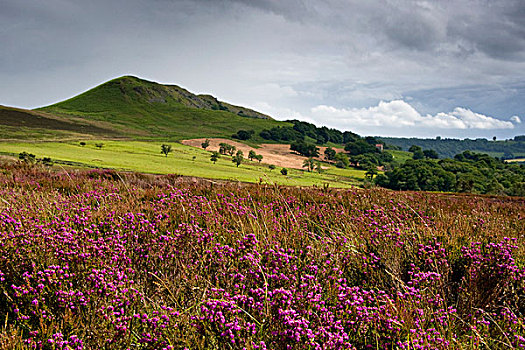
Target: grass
[400,156]
[144,110]
[145,157]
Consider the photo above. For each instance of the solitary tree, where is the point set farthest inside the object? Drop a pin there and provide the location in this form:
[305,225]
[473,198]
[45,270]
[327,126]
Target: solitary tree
[205,144]
[284,171]
[309,164]
[252,154]
[237,159]
[215,156]
[165,149]
[494,138]
[259,157]
[271,167]
[232,150]
[82,143]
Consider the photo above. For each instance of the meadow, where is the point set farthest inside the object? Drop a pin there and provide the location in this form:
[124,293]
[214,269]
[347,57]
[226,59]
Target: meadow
[93,259]
[145,157]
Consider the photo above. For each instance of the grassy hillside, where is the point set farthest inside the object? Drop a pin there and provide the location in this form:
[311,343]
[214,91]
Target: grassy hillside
[16,123]
[146,110]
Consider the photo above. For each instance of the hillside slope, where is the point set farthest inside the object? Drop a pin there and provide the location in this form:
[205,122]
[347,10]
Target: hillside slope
[17,123]
[144,109]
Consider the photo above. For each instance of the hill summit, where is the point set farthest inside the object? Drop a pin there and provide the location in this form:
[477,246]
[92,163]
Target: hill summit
[139,108]
[132,90]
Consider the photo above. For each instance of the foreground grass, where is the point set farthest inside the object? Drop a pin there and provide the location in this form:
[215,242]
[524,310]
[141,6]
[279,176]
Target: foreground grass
[92,260]
[146,157]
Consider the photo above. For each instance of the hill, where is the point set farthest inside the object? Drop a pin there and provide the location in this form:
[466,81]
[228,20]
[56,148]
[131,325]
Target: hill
[143,109]
[448,148]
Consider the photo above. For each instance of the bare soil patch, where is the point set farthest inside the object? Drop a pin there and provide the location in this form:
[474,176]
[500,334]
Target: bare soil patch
[279,155]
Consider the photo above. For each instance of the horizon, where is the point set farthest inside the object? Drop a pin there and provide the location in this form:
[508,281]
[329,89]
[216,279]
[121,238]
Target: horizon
[416,69]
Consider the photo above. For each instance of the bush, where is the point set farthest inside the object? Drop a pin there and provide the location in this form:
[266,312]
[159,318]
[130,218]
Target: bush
[284,171]
[243,135]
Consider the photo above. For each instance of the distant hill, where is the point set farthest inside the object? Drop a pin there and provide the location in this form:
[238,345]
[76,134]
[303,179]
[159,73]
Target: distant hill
[448,148]
[138,108]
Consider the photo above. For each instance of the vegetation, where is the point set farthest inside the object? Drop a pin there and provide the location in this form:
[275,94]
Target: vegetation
[165,149]
[448,148]
[238,158]
[100,259]
[138,109]
[145,157]
[467,172]
[205,144]
[243,135]
[309,164]
[215,156]
[305,149]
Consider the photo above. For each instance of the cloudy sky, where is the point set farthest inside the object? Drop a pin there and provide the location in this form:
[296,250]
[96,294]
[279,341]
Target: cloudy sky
[453,68]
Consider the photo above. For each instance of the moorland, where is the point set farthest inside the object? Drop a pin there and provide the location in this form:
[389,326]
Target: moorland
[141,216]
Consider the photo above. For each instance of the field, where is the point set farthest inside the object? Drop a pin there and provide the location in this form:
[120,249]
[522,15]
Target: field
[146,157]
[100,259]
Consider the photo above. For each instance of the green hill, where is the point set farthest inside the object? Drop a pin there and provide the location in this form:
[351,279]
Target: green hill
[141,109]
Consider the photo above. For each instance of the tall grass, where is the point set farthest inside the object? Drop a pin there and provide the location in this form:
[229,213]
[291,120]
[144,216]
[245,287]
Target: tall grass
[98,259]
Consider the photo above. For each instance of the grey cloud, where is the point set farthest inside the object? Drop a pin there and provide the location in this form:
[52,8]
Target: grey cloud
[290,55]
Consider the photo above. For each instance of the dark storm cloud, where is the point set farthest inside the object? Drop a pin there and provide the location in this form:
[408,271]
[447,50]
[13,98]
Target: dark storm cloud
[495,28]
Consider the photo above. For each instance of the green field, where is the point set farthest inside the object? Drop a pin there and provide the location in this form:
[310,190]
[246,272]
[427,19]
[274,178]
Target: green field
[145,157]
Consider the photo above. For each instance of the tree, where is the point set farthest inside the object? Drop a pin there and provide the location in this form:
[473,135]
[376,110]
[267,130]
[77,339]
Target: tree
[205,144]
[47,161]
[165,149]
[359,146]
[305,149]
[494,138]
[215,156]
[243,134]
[414,149]
[28,158]
[252,154]
[271,167]
[309,164]
[99,145]
[341,160]
[329,153]
[431,154]
[284,171]
[226,148]
[82,143]
[371,172]
[238,158]
[259,157]
[318,167]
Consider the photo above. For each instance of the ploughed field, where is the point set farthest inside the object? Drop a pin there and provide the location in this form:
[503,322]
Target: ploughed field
[98,259]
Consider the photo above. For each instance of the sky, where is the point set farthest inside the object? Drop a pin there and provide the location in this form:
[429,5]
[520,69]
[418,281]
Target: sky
[407,68]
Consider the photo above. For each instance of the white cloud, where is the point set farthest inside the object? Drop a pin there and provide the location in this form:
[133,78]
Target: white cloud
[515,119]
[400,114]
